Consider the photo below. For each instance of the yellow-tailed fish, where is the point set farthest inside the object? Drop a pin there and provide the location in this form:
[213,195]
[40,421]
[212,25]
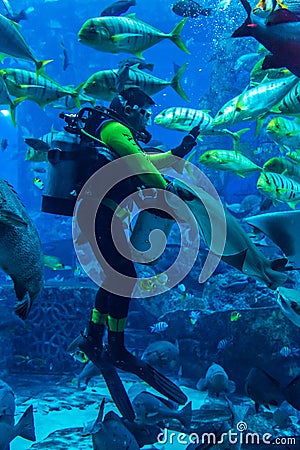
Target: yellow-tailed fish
[126,34]
[254,103]
[290,103]
[38,183]
[279,188]
[13,43]
[53,262]
[184,119]
[102,84]
[234,316]
[24,84]
[285,132]
[283,166]
[229,160]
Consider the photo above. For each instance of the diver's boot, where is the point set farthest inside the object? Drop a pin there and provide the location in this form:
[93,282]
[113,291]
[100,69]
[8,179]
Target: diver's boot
[90,344]
[122,359]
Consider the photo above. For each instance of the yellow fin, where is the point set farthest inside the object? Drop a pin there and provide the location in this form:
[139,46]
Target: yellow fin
[120,37]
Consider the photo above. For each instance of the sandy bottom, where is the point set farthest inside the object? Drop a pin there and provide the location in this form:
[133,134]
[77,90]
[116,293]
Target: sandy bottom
[61,408]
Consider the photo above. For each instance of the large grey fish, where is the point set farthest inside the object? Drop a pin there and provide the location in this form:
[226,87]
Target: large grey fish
[151,409]
[20,249]
[216,381]
[111,433]
[8,430]
[266,390]
[163,355]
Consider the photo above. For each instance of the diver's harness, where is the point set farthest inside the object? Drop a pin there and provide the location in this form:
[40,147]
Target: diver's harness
[76,154]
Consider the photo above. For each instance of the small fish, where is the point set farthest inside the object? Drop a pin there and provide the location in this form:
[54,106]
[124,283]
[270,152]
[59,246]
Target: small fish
[4,144]
[182,288]
[118,8]
[147,284]
[194,317]
[66,61]
[53,262]
[234,316]
[287,351]
[38,169]
[38,183]
[138,62]
[223,343]
[230,160]
[190,8]
[159,327]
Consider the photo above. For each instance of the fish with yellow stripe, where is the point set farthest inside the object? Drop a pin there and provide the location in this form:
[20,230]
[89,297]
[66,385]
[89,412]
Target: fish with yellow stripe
[184,119]
[279,188]
[285,132]
[229,160]
[283,166]
[126,34]
[24,84]
[103,84]
[255,102]
[13,43]
[290,103]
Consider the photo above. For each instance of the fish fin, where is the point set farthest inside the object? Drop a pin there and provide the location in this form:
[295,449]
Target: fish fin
[201,384]
[292,205]
[25,426]
[40,67]
[3,56]
[259,124]
[132,16]
[116,38]
[175,82]
[272,62]
[282,16]
[236,136]
[244,29]
[237,260]
[279,264]
[185,415]
[11,219]
[13,106]
[240,174]
[176,38]
[98,421]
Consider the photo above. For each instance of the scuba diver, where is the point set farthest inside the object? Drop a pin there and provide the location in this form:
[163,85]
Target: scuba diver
[130,114]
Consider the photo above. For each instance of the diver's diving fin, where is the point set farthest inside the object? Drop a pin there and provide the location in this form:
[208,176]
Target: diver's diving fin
[154,378]
[111,377]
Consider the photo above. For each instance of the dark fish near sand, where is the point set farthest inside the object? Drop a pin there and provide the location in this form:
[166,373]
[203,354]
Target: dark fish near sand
[20,249]
[8,429]
[151,409]
[189,8]
[266,390]
[118,8]
[216,381]
[111,433]
[280,34]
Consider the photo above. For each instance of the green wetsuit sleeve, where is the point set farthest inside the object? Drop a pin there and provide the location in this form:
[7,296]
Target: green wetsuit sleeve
[119,138]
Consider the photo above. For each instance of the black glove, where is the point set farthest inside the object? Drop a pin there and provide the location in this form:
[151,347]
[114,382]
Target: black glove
[181,192]
[188,142]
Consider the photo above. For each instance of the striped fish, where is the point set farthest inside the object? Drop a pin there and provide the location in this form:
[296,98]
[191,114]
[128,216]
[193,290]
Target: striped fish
[279,188]
[103,84]
[24,84]
[285,132]
[258,74]
[38,148]
[254,102]
[126,34]
[228,160]
[290,104]
[12,43]
[283,166]
[184,119]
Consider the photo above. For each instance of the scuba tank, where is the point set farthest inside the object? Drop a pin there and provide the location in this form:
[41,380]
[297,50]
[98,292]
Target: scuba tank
[76,154]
